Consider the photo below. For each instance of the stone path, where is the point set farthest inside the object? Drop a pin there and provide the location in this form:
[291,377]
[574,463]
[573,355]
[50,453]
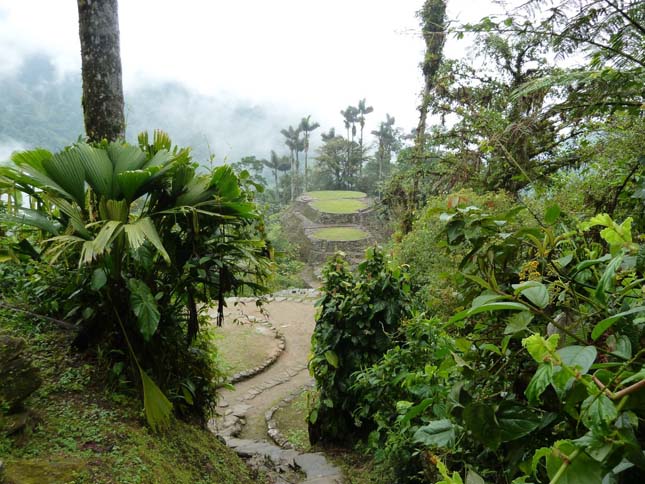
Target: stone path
[242,423]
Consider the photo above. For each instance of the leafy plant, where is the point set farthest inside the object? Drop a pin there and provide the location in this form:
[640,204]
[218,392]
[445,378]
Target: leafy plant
[356,324]
[157,237]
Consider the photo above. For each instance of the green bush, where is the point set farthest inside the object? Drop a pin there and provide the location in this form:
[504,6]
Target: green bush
[539,378]
[425,250]
[356,324]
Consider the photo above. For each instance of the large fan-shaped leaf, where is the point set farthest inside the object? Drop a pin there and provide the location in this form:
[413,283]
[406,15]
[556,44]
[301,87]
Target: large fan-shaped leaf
[33,158]
[32,218]
[125,157]
[131,182]
[106,235]
[32,172]
[144,229]
[66,169]
[157,407]
[226,182]
[98,169]
[160,159]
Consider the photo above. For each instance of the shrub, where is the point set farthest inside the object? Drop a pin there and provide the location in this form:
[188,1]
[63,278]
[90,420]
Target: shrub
[357,323]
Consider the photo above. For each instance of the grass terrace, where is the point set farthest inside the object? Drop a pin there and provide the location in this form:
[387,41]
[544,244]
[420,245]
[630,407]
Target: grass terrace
[338,234]
[344,205]
[334,194]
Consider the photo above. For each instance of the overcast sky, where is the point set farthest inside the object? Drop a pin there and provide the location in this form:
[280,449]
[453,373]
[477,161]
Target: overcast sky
[305,56]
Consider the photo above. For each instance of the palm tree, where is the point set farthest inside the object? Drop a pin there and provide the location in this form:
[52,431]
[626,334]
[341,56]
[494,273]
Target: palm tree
[387,141]
[139,216]
[274,165]
[295,145]
[306,126]
[350,118]
[363,110]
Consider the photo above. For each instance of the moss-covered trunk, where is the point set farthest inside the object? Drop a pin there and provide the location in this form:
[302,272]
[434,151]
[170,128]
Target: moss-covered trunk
[98,23]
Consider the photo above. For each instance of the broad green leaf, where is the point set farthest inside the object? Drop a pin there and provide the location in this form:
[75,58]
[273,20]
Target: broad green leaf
[539,347]
[515,421]
[494,306]
[226,183]
[33,218]
[606,323]
[479,419]
[438,433]
[125,157]
[580,357]
[606,282]
[131,181]
[580,470]
[491,347]
[415,411]
[99,279]
[534,291]
[332,358]
[144,306]
[157,407]
[542,379]
[518,322]
[598,411]
[485,299]
[552,214]
[638,376]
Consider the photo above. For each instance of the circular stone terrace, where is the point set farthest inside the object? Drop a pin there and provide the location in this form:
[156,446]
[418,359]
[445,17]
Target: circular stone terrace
[323,222]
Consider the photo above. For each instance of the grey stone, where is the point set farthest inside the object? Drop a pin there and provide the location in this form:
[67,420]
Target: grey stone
[240,409]
[315,465]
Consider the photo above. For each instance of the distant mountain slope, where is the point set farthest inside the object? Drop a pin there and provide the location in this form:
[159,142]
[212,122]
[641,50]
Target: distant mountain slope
[38,108]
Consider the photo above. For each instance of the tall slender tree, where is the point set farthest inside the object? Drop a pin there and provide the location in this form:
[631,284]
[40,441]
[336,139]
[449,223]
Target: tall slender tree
[294,143]
[98,27]
[363,110]
[306,127]
[433,29]
[350,117]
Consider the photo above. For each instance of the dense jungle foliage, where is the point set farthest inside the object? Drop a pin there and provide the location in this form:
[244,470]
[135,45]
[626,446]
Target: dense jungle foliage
[498,337]
[520,225]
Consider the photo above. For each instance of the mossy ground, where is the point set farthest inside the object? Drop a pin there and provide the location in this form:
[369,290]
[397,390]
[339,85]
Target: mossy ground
[334,194]
[83,431]
[343,205]
[243,346]
[345,234]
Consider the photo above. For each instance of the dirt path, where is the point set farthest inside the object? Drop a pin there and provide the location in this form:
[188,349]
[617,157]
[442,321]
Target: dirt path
[254,397]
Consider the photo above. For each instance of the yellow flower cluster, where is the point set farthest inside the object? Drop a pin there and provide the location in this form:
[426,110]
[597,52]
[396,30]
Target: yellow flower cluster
[529,271]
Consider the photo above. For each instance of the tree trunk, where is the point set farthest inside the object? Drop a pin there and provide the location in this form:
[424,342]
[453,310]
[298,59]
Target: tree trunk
[306,184]
[293,177]
[98,27]
[433,28]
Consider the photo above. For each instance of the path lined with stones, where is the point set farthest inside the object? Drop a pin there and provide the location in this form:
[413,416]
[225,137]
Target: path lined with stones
[242,411]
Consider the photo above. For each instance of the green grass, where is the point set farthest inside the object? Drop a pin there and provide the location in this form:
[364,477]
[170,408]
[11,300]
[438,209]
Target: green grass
[340,234]
[343,205]
[256,341]
[84,432]
[335,194]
